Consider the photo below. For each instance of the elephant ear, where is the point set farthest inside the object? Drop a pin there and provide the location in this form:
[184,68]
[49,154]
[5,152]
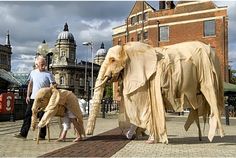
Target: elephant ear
[140,66]
[54,99]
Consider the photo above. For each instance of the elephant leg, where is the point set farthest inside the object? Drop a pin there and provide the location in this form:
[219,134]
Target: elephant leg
[190,119]
[48,131]
[47,116]
[193,116]
[73,105]
[37,139]
[198,126]
[214,120]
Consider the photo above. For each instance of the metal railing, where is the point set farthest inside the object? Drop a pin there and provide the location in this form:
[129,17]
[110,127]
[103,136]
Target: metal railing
[109,105]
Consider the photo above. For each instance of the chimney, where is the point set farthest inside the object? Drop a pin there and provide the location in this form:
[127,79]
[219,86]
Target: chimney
[170,4]
[161,4]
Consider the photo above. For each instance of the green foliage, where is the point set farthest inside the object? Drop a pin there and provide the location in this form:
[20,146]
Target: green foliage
[232,76]
[108,91]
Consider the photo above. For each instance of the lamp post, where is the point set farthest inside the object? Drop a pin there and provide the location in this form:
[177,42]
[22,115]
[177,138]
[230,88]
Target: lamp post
[91,47]
[49,59]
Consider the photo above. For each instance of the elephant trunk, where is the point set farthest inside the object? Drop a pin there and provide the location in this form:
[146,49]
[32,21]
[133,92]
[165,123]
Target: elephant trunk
[51,108]
[98,94]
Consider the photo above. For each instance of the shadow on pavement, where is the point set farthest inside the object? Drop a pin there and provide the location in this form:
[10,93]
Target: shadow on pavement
[102,145]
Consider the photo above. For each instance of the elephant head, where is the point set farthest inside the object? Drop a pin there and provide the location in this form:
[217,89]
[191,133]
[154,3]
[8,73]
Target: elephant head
[118,64]
[46,100]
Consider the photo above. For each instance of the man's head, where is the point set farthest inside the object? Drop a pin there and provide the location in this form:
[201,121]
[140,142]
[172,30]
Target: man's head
[40,63]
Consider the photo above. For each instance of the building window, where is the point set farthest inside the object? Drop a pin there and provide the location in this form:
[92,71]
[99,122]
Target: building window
[3,59]
[62,80]
[63,53]
[164,33]
[145,16]
[145,35]
[139,37]
[76,76]
[139,18]
[133,20]
[209,28]
[71,81]
[72,56]
[81,82]
[132,39]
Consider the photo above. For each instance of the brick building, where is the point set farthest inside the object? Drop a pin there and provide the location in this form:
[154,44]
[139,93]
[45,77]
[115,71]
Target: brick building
[170,24]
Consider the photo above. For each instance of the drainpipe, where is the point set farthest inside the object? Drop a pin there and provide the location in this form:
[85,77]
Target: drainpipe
[158,33]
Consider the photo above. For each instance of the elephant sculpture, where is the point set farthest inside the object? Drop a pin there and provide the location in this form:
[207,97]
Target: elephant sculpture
[54,101]
[158,78]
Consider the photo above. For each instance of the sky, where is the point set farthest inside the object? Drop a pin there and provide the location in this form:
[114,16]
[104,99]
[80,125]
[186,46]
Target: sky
[31,22]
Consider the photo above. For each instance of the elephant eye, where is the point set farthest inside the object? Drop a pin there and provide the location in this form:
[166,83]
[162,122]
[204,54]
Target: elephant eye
[112,60]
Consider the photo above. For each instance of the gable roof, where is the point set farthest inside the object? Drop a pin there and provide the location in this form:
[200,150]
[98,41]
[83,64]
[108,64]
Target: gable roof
[137,3]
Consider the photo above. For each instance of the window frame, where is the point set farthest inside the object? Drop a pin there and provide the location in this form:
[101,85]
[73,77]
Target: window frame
[133,20]
[139,38]
[167,34]
[145,16]
[207,30]
[145,35]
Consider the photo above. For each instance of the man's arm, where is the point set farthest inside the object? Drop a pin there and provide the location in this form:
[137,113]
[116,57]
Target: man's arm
[29,91]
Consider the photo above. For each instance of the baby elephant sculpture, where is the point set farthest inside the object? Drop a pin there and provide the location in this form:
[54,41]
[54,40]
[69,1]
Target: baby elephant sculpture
[154,79]
[51,100]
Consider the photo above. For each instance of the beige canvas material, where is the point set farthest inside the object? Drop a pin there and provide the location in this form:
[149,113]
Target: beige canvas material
[155,79]
[54,99]
[180,71]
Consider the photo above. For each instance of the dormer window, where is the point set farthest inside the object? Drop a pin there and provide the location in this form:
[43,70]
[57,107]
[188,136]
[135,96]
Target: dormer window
[145,16]
[133,20]
[139,18]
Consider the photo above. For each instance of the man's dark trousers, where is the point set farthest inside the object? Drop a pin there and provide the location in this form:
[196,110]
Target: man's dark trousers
[27,121]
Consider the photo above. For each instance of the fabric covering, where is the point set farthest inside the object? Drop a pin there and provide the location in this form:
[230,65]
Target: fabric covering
[182,72]
[56,98]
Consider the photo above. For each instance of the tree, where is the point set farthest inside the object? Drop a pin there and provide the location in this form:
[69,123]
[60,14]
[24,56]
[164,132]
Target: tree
[232,76]
[108,91]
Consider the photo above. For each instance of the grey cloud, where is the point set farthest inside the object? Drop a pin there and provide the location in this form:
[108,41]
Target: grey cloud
[31,22]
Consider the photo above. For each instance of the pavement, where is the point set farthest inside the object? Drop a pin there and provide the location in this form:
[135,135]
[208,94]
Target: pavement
[108,141]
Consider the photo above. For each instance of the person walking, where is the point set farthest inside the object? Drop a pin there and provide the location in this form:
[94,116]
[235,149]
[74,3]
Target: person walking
[38,79]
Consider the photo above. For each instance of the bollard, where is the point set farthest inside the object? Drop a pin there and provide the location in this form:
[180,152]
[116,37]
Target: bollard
[226,114]
[103,109]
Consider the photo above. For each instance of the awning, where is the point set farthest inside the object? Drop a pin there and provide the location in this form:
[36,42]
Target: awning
[229,88]
[5,75]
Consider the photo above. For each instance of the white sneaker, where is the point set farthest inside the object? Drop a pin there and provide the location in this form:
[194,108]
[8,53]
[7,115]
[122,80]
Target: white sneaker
[130,135]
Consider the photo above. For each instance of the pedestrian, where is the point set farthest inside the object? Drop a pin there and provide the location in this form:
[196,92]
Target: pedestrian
[38,78]
[69,118]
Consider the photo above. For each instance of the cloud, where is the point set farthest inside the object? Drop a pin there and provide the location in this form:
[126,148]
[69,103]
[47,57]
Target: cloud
[31,22]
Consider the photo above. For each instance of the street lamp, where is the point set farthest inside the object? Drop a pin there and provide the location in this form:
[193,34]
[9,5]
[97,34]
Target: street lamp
[91,46]
[49,54]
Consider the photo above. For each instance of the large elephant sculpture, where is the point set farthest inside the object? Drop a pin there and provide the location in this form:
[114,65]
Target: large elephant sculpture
[53,101]
[159,78]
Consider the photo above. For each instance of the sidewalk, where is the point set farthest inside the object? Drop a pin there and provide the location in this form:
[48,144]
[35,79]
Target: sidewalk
[15,147]
[185,144]
[181,143]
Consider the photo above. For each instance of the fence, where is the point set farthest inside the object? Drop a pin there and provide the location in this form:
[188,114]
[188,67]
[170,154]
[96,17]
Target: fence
[109,105]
